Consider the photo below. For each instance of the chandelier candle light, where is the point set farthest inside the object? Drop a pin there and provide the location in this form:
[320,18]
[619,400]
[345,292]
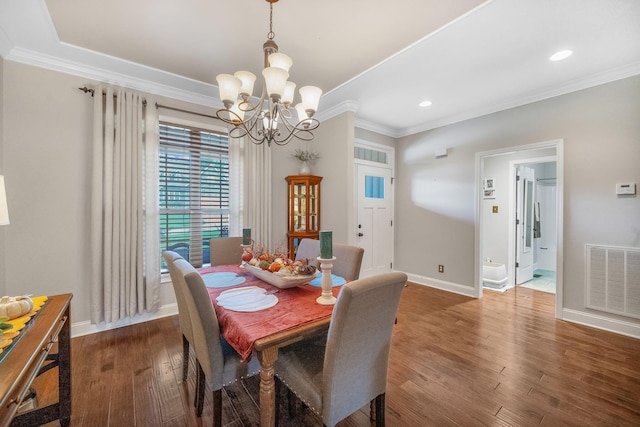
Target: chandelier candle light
[270,119]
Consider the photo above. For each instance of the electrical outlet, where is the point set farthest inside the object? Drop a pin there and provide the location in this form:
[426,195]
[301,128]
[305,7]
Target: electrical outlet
[441,268]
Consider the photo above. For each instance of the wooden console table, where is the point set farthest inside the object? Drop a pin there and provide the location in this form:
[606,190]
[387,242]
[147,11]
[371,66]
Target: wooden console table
[27,359]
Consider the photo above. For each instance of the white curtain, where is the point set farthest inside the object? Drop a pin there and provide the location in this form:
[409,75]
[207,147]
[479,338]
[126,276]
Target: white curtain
[124,221]
[236,187]
[252,164]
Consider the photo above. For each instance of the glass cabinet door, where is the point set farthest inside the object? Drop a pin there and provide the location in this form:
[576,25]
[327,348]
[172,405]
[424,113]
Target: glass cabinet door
[300,208]
[303,209]
[313,207]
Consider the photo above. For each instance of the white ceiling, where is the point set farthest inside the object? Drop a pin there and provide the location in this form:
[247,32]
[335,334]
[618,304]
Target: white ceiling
[377,58]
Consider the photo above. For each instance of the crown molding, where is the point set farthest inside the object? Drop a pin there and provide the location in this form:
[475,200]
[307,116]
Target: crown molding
[336,110]
[377,128]
[5,44]
[353,106]
[132,75]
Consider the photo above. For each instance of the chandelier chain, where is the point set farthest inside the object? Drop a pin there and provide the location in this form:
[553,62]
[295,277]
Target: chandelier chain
[271,34]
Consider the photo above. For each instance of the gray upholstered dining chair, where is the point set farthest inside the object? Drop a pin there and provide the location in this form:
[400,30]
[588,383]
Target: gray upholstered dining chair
[348,258]
[218,363]
[308,249]
[183,312]
[348,261]
[225,250]
[337,379]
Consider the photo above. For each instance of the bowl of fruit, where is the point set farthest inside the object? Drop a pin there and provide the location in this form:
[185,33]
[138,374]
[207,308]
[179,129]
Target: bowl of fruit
[278,270]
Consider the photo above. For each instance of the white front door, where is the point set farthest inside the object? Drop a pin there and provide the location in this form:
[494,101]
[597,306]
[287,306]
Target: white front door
[525,185]
[375,215]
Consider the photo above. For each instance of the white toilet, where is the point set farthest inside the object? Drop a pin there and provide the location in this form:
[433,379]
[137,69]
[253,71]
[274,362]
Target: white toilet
[494,275]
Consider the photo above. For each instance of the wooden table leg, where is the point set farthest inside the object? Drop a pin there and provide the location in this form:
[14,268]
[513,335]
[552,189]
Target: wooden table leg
[267,358]
[64,371]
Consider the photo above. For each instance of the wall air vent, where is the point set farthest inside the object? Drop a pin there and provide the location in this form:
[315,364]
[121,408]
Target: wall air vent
[613,279]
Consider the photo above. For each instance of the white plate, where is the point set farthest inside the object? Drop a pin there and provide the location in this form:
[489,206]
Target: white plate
[277,280]
[247,299]
[222,279]
[237,292]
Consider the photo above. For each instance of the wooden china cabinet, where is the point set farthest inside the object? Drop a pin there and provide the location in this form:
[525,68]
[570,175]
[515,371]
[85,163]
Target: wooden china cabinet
[304,209]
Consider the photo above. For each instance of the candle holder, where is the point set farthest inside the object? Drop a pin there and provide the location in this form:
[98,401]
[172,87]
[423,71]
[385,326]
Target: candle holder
[326,297]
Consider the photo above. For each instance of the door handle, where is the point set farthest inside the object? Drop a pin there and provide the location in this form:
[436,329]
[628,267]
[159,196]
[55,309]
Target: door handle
[360,234]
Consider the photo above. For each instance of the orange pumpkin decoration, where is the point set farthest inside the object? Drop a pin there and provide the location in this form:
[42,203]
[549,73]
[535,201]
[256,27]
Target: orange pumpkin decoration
[275,266]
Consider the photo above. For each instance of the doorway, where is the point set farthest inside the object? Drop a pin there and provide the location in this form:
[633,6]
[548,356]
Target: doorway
[524,224]
[535,224]
[374,207]
[496,232]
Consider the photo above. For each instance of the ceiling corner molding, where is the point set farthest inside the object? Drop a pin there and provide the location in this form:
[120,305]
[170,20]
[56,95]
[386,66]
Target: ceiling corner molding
[336,110]
[147,80]
[352,106]
[377,128]
[5,44]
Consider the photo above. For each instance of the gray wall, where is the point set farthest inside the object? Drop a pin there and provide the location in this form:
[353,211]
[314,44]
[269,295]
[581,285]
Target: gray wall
[369,136]
[435,197]
[46,147]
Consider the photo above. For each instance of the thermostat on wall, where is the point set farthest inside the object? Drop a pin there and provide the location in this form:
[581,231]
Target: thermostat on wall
[626,188]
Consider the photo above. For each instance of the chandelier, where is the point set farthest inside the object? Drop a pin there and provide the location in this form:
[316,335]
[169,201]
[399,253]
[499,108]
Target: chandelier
[270,119]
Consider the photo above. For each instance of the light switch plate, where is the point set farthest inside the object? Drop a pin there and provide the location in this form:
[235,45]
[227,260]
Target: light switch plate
[625,188]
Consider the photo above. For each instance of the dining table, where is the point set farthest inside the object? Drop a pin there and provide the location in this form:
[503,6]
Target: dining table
[294,317]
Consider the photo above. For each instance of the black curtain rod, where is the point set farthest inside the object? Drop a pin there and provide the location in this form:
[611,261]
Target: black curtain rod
[92,92]
[186,111]
[88,90]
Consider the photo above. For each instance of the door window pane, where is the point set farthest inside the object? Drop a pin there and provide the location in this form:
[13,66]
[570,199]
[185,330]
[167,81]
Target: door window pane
[374,187]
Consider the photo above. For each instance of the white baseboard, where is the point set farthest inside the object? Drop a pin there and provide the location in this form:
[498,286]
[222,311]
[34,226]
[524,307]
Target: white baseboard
[593,320]
[441,284]
[597,321]
[85,328]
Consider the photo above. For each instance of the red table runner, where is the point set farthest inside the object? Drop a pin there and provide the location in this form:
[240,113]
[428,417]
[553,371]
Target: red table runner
[296,306]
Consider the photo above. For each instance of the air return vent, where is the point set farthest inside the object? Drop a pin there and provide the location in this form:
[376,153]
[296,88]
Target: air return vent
[613,279]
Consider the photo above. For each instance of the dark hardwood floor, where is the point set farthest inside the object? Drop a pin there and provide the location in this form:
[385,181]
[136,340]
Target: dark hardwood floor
[503,360]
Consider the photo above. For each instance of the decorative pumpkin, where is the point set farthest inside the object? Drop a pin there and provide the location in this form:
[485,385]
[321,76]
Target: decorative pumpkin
[306,269]
[14,307]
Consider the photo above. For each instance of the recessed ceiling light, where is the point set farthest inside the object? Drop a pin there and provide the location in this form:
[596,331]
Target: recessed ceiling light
[425,103]
[559,56]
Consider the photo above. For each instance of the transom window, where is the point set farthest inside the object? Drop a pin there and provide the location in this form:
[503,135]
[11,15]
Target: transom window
[193,190]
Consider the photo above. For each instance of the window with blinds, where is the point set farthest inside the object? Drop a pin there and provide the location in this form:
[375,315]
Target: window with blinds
[193,191]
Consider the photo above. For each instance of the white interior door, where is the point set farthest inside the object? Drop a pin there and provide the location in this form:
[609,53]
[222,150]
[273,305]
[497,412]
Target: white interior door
[525,187]
[374,222]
